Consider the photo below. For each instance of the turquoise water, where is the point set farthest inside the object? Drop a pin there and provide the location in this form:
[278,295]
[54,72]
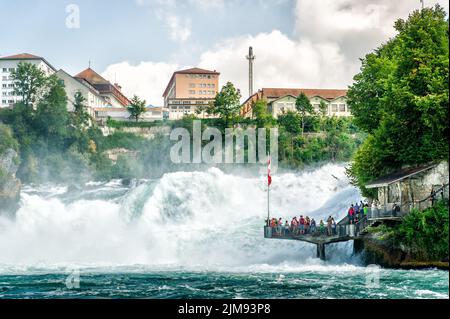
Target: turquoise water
[190,235]
[334,283]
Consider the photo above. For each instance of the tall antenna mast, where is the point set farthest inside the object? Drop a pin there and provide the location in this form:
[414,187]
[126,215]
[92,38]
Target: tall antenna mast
[250,57]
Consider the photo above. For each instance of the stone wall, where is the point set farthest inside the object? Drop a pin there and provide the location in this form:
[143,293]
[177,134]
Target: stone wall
[418,187]
[146,132]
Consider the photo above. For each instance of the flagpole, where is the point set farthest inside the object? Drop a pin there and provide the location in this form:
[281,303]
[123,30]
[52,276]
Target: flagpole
[268,188]
[268,202]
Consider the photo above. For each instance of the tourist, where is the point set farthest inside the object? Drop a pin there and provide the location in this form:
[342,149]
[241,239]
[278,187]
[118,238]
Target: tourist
[365,209]
[329,222]
[356,208]
[294,225]
[432,197]
[395,210]
[280,226]
[307,224]
[321,227]
[333,226]
[313,226]
[302,225]
[286,228]
[351,215]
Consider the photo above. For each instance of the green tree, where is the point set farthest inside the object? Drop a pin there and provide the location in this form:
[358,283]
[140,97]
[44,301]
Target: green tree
[52,118]
[29,83]
[227,103]
[261,114]
[401,98]
[80,115]
[136,108]
[304,107]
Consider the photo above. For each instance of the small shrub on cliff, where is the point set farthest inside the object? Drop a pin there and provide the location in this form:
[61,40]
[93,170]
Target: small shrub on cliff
[426,232]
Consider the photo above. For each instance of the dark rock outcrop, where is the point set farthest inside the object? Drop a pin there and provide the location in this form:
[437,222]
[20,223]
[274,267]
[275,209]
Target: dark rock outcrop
[374,249]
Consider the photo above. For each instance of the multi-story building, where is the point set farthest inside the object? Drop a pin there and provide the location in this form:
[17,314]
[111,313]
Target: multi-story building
[189,89]
[9,64]
[112,94]
[72,85]
[283,100]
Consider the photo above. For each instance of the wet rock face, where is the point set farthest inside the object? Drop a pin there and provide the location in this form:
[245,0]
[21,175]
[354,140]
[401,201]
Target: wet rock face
[375,250]
[9,184]
[8,161]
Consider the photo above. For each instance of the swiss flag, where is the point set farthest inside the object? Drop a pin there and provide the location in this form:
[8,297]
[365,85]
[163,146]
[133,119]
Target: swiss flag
[269,178]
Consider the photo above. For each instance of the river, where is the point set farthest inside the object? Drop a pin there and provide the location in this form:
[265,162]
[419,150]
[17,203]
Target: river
[190,235]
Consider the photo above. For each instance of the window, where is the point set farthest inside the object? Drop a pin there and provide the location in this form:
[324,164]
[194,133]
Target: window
[191,91]
[10,101]
[204,92]
[186,102]
[334,107]
[3,101]
[11,85]
[213,85]
[4,78]
[11,69]
[341,107]
[192,85]
[4,85]
[4,93]
[5,69]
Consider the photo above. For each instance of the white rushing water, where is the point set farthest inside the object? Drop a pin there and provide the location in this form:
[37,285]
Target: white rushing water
[193,220]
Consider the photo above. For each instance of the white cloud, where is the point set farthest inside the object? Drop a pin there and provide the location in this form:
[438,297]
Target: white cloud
[329,38]
[179,28]
[146,79]
[280,62]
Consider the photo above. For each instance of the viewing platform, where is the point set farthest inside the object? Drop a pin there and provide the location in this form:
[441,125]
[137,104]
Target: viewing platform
[344,231]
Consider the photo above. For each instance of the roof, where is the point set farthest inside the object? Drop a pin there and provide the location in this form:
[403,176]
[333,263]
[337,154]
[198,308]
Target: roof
[80,81]
[92,77]
[189,71]
[26,56]
[329,94]
[197,71]
[21,56]
[398,176]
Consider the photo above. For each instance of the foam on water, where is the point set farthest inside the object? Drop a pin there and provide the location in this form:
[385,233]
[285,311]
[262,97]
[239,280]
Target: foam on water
[198,220]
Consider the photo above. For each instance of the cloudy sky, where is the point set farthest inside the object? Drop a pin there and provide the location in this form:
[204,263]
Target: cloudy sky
[139,43]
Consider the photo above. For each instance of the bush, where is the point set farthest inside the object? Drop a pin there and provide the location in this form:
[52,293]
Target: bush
[426,232]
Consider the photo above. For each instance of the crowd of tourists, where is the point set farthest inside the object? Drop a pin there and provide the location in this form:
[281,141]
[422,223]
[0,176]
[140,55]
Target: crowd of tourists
[357,212]
[304,225]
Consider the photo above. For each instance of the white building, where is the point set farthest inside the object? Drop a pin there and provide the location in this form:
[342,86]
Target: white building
[9,64]
[280,100]
[93,99]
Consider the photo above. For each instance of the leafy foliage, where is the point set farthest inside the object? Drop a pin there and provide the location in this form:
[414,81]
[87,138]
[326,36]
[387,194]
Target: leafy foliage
[227,103]
[136,108]
[29,83]
[401,98]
